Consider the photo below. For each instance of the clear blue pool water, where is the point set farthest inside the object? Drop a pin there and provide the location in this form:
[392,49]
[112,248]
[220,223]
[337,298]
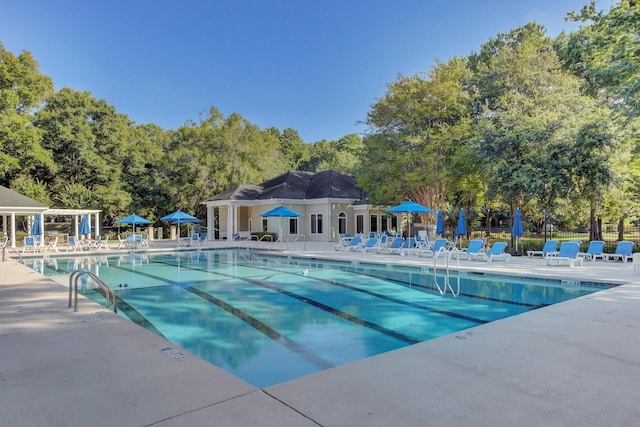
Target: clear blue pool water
[268,319]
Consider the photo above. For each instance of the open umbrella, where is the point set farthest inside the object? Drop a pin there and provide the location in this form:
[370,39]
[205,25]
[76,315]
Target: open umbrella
[133,220]
[409,207]
[279,212]
[517,230]
[85,228]
[440,224]
[461,229]
[178,217]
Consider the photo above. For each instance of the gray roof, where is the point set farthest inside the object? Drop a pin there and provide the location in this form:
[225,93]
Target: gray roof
[297,185]
[10,201]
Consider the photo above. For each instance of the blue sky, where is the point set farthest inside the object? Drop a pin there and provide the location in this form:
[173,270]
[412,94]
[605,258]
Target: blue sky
[310,65]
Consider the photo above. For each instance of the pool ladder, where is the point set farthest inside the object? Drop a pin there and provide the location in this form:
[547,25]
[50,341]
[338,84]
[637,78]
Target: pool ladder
[447,278]
[73,287]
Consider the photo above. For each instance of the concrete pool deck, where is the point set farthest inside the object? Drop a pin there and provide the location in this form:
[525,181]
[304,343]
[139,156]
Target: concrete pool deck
[573,363]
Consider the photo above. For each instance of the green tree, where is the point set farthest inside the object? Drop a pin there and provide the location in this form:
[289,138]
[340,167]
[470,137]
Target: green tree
[87,138]
[533,122]
[418,132]
[22,89]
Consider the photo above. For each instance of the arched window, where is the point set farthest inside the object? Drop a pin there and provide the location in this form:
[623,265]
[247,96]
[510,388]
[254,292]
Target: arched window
[342,223]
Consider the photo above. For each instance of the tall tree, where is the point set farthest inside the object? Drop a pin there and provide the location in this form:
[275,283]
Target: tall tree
[22,90]
[416,130]
[532,120]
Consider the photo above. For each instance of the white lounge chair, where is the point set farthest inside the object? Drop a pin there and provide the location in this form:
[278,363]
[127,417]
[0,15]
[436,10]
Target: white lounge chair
[550,248]
[396,245]
[439,247]
[356,241]
[568,254]
[594,251]
[370,245]
[495,253]
[474,247]
[624,252]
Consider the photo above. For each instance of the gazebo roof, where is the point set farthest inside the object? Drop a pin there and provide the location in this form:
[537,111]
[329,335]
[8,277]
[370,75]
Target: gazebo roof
[13,202]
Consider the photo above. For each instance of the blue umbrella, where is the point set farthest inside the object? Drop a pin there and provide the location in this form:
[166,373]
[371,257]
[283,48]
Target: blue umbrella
[36,229]
[178,217]
[133,220]
[440,224]
[85,228]
[461,229]
[409,207]
[517,230]
[279,212]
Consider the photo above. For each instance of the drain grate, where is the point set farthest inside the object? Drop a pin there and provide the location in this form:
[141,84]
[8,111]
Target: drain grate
[174,354]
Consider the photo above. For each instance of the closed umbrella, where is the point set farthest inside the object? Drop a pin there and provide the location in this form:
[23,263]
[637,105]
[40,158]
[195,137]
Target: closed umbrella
[85,228]
[36,229]
[133,220]
[461,229]
[440,224]
[517,230]
[280,212]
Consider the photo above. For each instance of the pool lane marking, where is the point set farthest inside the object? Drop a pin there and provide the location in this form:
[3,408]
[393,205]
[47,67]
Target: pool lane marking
[262,327]
[388,298]
[346,316]
[349,269]
[248,319]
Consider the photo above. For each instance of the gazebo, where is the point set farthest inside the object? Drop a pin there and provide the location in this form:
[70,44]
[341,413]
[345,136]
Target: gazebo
[14,204]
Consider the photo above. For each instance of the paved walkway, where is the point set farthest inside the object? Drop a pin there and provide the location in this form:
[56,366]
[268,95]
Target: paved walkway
[571,364]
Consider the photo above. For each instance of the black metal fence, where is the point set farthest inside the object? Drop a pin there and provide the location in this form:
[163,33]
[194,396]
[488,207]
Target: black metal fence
[534,240]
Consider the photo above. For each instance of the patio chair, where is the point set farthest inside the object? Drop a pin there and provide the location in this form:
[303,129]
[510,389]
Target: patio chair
[495,253]
[568,254]
[144,241]
[624,252]
[53,244]
[395,245]
[103,243]
[407,246]
[474,247]
[439,247]
[73,243]
[195,239]
[29,244]
[4,242]
[356,241]
[550,248]
[370,244]
[343,241]
[594,251]
[122,242]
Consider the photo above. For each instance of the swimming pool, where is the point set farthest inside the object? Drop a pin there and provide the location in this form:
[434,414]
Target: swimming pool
[268,319]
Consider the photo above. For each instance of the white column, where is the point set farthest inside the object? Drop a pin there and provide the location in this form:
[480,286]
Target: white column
[42,226]
[75,226]
[229,222]
[96,226]
[13,230]
[210,222]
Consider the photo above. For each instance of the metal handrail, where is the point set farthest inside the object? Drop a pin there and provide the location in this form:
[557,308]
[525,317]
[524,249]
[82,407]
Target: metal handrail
[298,237]
[4,251]
[108,292]
[447,256]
